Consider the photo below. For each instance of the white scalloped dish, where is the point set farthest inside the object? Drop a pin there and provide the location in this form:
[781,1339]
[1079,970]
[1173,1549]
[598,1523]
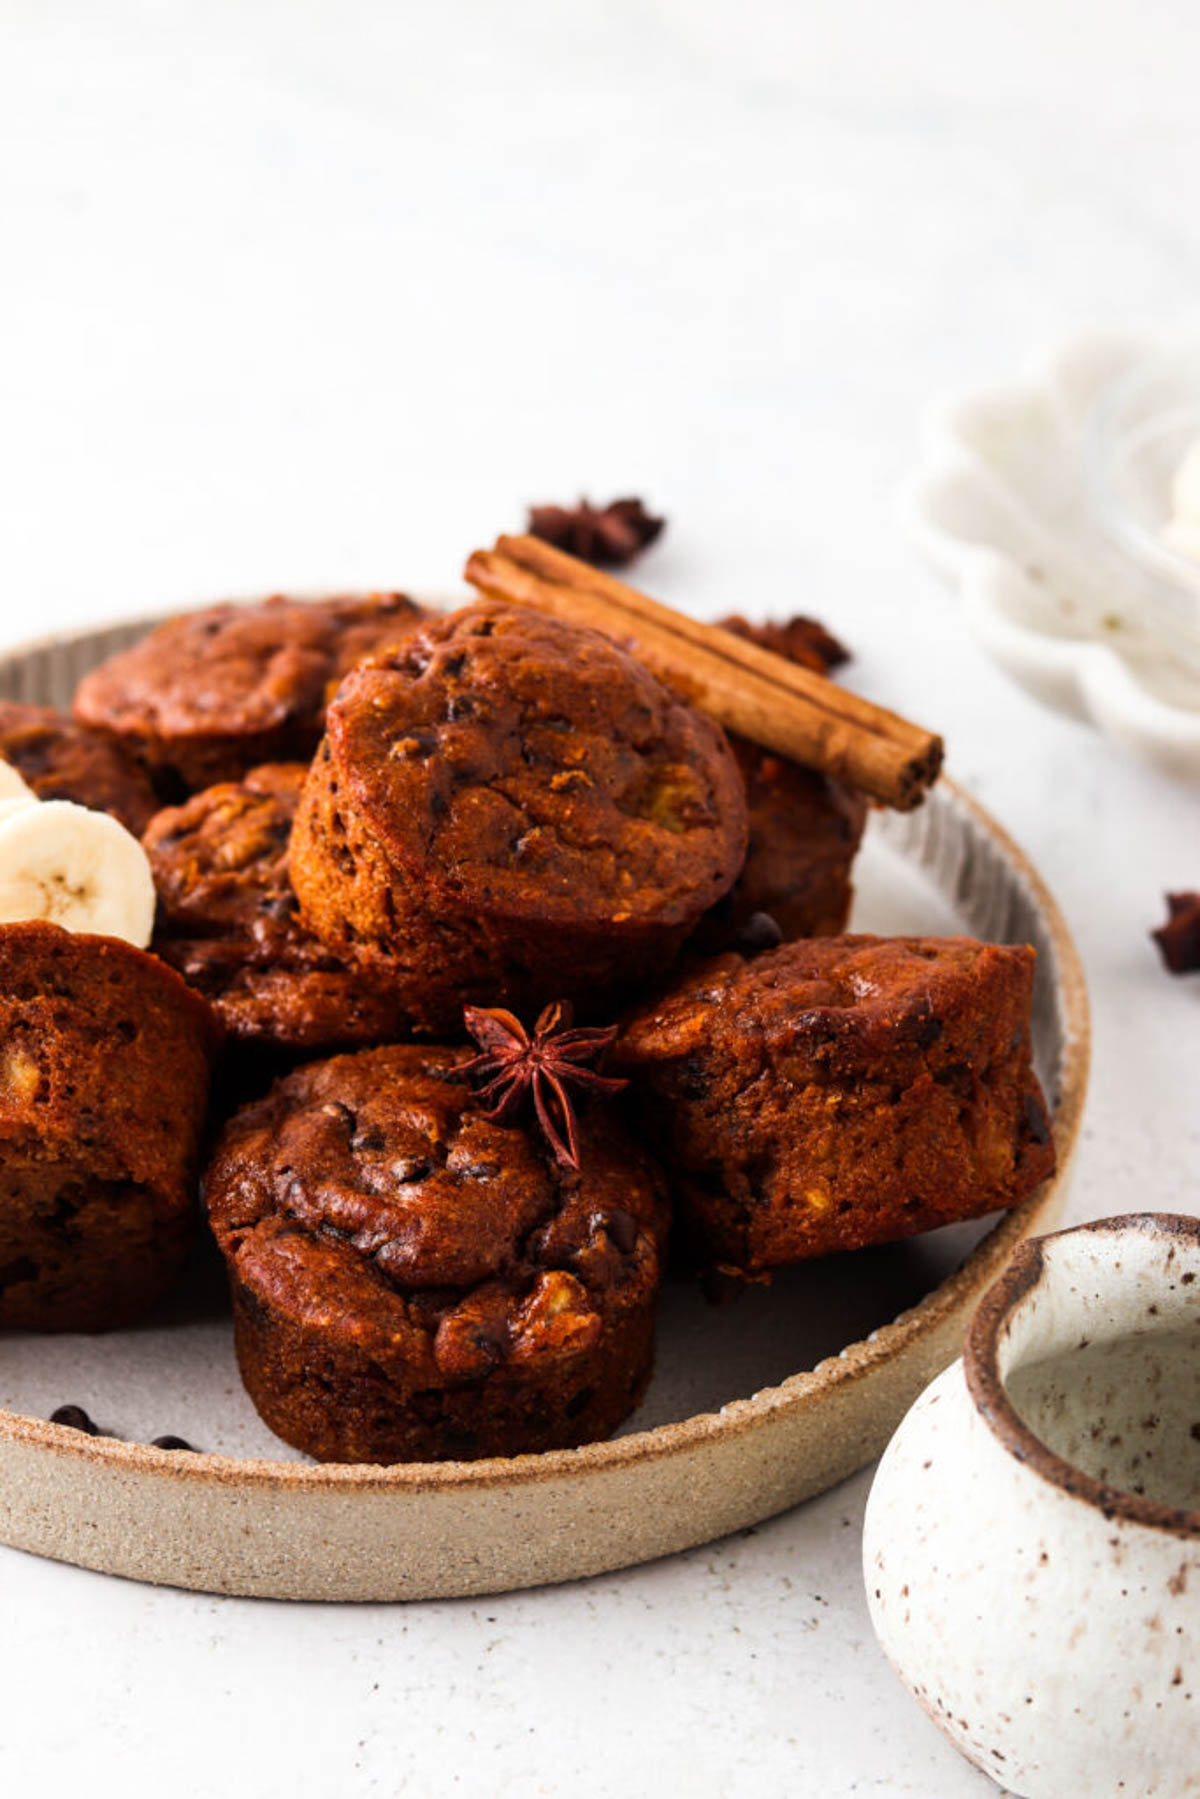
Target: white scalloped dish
[1067,591]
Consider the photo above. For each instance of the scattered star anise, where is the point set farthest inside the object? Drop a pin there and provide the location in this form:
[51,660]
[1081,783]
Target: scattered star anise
[606,536]
[546,1065]
[1179,939]
[804,641]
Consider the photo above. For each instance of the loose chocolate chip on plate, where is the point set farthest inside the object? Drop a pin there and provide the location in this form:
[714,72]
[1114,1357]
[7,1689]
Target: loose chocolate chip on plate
[75,1418]
[174,1443]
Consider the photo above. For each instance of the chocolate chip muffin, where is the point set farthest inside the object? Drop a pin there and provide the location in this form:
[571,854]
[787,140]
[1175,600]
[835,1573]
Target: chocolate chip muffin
[510,809]
[804,828]
[209,695]
[104,1068]
[62,760]
[228,920]
[412,1282]
[841,1091]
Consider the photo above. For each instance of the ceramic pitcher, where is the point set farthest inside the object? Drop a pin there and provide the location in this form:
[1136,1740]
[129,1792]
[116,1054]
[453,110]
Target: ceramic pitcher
[1032,1538]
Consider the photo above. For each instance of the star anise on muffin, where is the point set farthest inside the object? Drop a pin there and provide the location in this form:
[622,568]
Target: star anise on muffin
[606,536]
[514,1065]
[1179,939]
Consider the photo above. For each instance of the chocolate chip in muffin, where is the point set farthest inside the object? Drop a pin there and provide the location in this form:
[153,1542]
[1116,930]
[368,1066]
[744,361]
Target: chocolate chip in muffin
[760,932]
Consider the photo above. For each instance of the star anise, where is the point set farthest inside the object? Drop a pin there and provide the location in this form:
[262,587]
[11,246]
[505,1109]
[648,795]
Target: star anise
[514,1065]
[1179,939]
[802,640]
[606,536]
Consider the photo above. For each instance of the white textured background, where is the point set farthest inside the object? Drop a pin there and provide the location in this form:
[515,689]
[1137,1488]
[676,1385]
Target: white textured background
[324,292]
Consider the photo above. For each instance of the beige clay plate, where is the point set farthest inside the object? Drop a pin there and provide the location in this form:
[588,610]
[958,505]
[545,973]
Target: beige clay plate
[753,1407]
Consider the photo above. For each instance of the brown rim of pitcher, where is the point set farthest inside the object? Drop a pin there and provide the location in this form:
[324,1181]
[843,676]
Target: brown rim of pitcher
[981,1366]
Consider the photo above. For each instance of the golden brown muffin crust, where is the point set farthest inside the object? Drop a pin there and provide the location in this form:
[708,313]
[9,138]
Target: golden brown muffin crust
[841,1091]
[210,694]
[62,760]
[104,1067]
[539,768]
[511,808]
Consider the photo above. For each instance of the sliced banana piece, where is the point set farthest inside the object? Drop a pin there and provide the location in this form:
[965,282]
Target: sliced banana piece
[9,806]
[12,787]
[77,868]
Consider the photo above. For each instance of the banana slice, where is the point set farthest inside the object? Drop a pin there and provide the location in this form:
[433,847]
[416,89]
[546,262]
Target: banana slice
[74,867]
[9,806]
[12,787]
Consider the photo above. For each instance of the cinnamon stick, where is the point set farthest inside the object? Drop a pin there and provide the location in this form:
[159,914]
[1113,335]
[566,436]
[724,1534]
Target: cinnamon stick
[761,696]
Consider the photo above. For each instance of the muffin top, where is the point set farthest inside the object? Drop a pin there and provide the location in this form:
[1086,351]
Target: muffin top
[533,768]
[228,920]
[62,760]
[240,670]
[839,1008]
[367,1195]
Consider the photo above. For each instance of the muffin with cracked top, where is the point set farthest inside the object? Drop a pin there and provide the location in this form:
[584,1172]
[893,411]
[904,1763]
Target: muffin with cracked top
[60,759]
[510,809]
[841,1091]
[105,1057]
[414,1281]
[210,694]
[228,920]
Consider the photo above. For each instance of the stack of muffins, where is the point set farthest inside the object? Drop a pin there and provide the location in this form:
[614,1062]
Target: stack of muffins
[385,827]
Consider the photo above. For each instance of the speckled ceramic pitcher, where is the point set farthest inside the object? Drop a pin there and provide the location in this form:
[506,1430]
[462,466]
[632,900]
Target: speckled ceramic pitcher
[1032,1539]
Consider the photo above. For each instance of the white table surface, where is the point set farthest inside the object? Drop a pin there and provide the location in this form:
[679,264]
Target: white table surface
[324,292]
